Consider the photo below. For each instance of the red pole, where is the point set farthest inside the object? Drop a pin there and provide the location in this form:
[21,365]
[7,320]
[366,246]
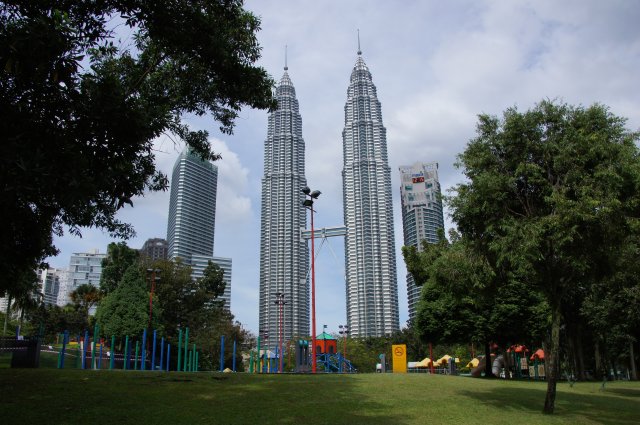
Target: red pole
[281,330]
[431,357]
[313,297]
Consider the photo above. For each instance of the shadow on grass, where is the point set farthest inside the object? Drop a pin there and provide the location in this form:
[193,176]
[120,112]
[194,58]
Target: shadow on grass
[623,392]
[178,398]
[613,406]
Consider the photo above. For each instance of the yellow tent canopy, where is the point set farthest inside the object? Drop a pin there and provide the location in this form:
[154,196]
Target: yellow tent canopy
[426,362]
[473,363]
[445,359]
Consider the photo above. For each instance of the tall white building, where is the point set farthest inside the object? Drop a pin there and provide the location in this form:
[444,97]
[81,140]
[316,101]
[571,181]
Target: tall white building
[283,255]
[421,214]
[192,218]
[372,287]
[84,268]
[192,207]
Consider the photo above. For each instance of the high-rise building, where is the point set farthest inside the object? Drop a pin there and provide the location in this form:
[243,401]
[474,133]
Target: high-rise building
[51,282]
[84,268]
[283,255]
[421,214]
[192,207]
[372,287]
[155,249]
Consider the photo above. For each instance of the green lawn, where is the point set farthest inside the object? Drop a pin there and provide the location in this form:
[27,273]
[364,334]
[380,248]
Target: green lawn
[75,396]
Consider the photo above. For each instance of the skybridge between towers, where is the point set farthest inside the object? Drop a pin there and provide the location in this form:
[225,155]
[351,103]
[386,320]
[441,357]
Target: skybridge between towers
[324,232]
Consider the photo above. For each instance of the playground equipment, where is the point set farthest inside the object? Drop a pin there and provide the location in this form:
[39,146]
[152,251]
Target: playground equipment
[332,363]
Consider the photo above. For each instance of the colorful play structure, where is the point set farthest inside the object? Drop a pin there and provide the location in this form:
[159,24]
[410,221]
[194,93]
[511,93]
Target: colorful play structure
[444,365]
[521,365]
[328,359]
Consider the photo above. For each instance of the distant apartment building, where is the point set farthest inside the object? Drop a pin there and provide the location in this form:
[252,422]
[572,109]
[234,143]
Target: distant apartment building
[422,214]
[51,282]
[155,249]
[84,268]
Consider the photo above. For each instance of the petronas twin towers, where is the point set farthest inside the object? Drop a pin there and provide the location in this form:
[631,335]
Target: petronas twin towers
[371,283]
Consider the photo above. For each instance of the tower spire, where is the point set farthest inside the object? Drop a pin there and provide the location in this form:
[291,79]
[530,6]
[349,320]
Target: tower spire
[285,58]
[359,51]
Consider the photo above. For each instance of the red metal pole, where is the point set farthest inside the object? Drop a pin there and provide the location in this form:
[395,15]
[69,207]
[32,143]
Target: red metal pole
[313,296]
[431,357]
[281,330]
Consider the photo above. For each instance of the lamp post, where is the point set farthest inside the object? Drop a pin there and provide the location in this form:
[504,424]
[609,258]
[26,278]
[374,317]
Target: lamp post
[308,203]
[344,331]
[280,302]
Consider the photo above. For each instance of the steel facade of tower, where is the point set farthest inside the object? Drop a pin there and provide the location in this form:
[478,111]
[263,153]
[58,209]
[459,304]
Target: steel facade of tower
[421,214]
[283,254]
[192,207]
[372,287]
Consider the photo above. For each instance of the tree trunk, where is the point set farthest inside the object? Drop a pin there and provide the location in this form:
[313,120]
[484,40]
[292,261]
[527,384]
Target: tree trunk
[551,359]
[632,362]
[598,359]
[580,354]
[487,361]
[507,363]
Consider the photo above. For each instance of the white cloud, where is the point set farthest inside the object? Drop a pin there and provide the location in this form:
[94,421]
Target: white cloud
[436,66]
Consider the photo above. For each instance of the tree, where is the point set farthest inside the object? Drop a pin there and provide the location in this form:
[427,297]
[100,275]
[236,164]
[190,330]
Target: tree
[464,300]
[125,311]
[119,258]
[212,281]
[22,295]
[85,297]
[80,109]
[548,193]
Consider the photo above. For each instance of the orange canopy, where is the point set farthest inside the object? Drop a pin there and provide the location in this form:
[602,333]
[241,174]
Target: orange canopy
[539,354]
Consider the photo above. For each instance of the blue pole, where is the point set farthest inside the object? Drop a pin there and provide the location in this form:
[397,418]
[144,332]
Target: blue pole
[234,355]
[168,355]
[161,353]
[153,351]
[65,339]
[144,351]
[221,353]
[84,348]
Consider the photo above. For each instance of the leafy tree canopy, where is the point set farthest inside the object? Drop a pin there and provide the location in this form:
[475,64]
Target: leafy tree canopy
[115,264]
[80,109]
[549,193]
[125,311]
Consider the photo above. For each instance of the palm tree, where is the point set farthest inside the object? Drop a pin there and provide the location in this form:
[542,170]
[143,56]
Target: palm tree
[85,297]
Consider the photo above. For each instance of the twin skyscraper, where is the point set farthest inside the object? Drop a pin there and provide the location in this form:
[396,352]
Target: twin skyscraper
[370,262]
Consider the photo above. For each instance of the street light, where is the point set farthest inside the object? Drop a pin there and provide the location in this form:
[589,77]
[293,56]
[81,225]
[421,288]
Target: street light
[344,331]
[280,302]
[308,203]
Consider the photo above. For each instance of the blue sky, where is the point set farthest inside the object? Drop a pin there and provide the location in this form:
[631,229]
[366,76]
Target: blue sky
[436,66]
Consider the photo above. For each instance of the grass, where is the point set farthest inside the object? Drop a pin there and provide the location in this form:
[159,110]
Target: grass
[74,396]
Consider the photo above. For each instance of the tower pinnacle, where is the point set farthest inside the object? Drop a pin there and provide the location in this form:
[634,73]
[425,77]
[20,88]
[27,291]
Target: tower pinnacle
[285,58]
[359,51]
